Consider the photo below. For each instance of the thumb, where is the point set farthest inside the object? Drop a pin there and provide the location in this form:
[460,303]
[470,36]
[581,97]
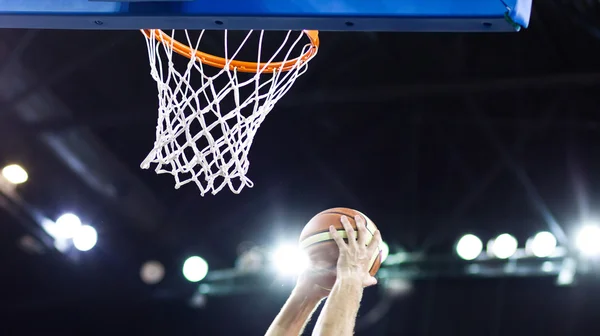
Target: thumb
[371,281]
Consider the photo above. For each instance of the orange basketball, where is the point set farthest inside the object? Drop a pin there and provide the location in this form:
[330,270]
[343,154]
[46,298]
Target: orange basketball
[322,250]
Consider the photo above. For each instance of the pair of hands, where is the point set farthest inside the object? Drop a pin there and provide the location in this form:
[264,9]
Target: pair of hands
[353,263]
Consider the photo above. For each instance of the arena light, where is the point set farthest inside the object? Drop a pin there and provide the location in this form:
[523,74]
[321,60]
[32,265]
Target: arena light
[503,247]
[289,260]
[587,240]
[65,227]
[85,238]
[542,245]
[195,269]
[469,247]
[15,174]
[385,251]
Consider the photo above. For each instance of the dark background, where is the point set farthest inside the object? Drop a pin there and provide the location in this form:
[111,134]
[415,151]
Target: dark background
[431,135]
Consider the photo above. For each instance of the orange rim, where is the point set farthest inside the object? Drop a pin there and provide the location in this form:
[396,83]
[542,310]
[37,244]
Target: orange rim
[241,66]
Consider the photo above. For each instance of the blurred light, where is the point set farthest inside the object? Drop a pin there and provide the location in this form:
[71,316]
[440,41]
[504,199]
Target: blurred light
[290,260]
[85,238]
[566,276]
[250,261]
[15,174]
[397,258]
[469,247]
[198,300]
[152,272]
[385,251]
[31,245]
[510,267]
[547,267]
[65,227]
[504,246]
[588,240]
[62,244]
[542,245]
[473,269]
[397,286]
[195,269]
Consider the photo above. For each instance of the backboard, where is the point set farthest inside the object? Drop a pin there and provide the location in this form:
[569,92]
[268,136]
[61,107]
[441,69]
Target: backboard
[338,15]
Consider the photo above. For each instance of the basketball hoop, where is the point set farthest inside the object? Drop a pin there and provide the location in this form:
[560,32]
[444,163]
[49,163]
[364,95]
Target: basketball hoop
[207,122]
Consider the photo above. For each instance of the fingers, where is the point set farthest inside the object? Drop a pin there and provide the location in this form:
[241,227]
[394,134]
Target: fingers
[363,234]
[349,231]
[337,238]
[375,242]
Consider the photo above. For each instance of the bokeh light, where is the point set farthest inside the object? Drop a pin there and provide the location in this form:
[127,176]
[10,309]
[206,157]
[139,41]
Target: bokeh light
[469,247]
[195,269]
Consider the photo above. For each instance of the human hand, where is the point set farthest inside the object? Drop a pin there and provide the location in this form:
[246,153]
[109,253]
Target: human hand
[355,257]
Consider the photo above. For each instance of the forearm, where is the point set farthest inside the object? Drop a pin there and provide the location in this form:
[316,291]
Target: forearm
[339,313]
[294,315]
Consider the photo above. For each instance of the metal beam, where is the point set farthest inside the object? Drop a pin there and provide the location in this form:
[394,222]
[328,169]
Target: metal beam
[520,174]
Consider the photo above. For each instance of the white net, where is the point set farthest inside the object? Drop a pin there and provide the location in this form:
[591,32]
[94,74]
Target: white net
[208,116]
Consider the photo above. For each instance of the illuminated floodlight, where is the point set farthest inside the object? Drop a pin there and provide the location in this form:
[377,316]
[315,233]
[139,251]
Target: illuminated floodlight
[15,174]
[542,245]
[289,260]
[469,247]
[385,251]
[587,240]
[65,226]
[195,269]
[85,238]
[504,246]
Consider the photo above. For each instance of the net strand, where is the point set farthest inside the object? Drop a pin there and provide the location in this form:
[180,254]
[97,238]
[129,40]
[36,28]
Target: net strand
[200,137]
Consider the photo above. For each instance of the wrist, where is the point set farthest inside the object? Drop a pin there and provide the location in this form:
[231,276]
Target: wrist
[305,295]
[350,275]
[349,282]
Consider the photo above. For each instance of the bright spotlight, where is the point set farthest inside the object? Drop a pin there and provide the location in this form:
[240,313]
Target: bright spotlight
[469,247]
[195,269]
[504,246]
[587,240]
[542,245]
[85,238]
[65,226]
[15,174]
[385,251]
[290,260]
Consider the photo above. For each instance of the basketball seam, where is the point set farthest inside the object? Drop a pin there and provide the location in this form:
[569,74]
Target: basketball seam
[322,241]
[325,241]
[341,214]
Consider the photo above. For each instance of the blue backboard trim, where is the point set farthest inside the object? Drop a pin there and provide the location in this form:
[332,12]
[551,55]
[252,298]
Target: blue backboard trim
[360,15]
[520,12]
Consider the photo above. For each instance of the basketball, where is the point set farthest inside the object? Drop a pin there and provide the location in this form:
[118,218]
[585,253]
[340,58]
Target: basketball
[322,250]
